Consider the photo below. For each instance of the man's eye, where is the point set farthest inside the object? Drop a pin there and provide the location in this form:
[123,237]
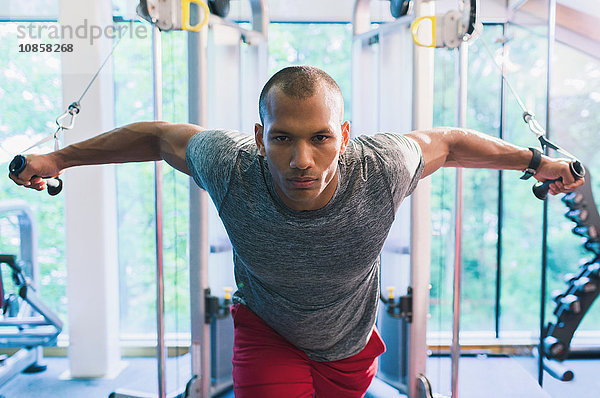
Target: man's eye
[321,138]
[280,138]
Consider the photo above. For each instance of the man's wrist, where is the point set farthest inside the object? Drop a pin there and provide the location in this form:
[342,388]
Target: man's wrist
[534,164]
[60,158]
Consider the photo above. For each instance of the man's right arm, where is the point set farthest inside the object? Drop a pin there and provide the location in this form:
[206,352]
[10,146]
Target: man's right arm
[136,142]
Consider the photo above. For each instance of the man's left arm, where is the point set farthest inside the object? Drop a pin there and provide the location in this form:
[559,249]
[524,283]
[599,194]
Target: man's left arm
[456,147]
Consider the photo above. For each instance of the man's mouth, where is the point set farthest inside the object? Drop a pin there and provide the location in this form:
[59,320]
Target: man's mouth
[302,182]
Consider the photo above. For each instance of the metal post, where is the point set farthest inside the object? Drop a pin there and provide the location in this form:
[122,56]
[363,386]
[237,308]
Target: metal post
[500,196]
[160,298]
[198,241]
[200,344]
[158,219]
[551,36]
[462,66]
[422,72]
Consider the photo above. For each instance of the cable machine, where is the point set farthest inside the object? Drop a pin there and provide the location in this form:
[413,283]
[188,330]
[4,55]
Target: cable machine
[212,41]
[246,77]
[375,72]
[392,90]
[26,321]
[385,84]
[241,56]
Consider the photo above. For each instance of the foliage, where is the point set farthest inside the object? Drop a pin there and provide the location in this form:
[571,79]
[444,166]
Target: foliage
[30,92]
[574,124]
[135,185]
[327,46]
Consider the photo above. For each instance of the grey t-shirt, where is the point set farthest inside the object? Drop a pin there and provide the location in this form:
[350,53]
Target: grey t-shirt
[313,276]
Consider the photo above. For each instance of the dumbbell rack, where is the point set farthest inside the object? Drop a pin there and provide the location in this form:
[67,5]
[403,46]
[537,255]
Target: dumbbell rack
[583,286]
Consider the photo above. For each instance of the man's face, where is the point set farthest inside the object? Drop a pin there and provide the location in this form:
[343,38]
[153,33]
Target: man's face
[302,141]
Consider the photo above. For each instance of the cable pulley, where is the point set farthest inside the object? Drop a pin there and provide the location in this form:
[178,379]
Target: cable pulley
[448,30]
[174,15]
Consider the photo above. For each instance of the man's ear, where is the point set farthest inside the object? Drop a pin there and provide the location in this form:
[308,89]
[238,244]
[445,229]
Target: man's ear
[258,138]
[345,136]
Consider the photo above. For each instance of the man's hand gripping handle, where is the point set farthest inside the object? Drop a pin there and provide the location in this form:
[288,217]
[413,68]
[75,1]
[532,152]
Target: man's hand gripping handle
[540,190]
[18,164]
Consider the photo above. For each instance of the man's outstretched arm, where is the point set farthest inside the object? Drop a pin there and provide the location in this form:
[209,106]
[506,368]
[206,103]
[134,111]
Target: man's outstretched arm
[454,147]
[136,142]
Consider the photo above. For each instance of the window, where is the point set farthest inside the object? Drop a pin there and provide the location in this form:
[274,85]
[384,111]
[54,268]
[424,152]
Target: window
[135,191]
[30,92]
[575,104]
[326,46]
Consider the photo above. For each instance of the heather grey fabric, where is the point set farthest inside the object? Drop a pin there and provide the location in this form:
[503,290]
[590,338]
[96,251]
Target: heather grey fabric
[313,276]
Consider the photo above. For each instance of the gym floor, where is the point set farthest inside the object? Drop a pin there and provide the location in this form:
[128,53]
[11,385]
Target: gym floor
[479,377]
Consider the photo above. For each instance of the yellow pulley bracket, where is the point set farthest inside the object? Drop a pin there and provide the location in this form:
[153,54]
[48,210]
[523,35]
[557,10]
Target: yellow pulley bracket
[173,14]
[448,30]
[185,11]
[390,290]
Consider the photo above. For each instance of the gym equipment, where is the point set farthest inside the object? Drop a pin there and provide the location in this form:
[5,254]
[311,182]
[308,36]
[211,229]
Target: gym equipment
[400,8]
[19,162]
[174,15]
[583,286]
[166,22]
[452,28]
[214,76]
[204,324]
[385,100]
[424,387]
[555,369]
[402,308]
[17,165]
[219,7]
[540,189]
[570,307]
[26,322]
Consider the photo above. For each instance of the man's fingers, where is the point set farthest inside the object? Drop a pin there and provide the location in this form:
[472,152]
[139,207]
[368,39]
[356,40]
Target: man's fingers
[37,183]
[19,181]
[559,187]
[576,184]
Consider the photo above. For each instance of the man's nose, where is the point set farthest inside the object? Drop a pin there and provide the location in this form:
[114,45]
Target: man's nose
[302,157]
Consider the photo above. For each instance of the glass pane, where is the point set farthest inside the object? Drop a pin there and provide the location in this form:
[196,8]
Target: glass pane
[480,196]
[15,9]
[30,93]
[525,62]
[327,46]
[443,192]
[575,111]
[135,186]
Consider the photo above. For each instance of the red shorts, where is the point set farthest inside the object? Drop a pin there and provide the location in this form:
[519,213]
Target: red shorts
[265,365]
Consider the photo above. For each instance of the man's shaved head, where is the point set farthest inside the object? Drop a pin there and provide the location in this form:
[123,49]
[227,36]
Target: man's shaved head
[300,82]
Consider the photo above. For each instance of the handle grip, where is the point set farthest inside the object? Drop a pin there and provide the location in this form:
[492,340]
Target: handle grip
[18,164]
[540,190]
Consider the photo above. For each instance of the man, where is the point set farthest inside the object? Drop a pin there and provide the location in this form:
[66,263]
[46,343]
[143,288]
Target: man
[307,211]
